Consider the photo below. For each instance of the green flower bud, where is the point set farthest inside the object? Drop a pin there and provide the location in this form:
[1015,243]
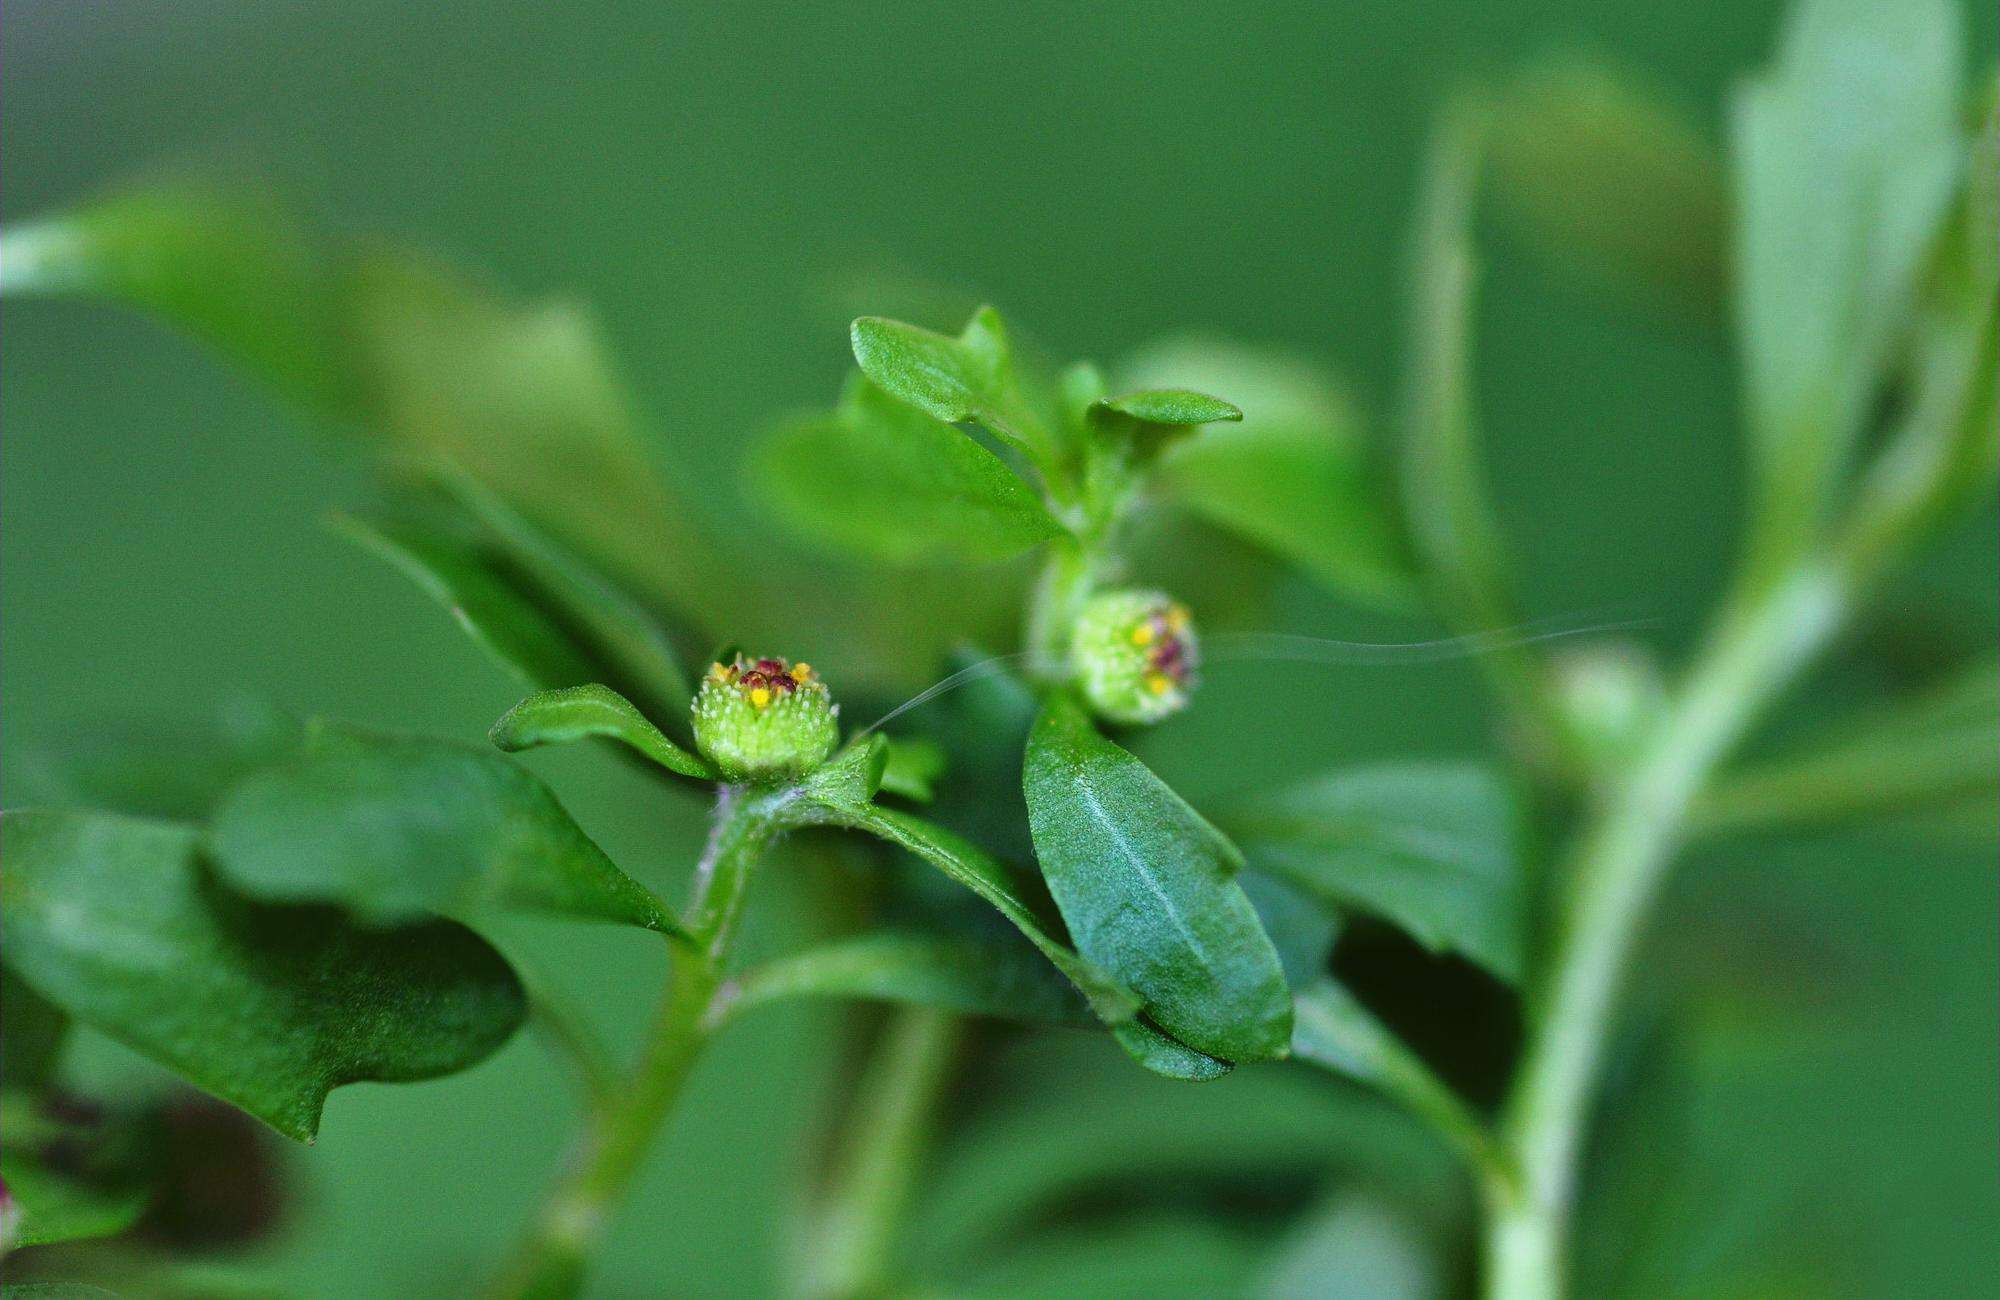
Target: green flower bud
[764,719]
[1134,656]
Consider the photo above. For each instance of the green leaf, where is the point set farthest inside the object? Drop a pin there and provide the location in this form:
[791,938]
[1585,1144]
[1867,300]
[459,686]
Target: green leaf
[912,768]
[1358,1246]
[1166,1055]
[235,273]
[970,866]
[1933,752]
[1146,887]
[575,712]
[32,1031]
[1294,476]
[886,480]
[1603,173]
[54,1204]
[1176,407]
[967,975]
[55,1291]
[848,781]
[1432,847]
[968,379]
[114,920]
[1846,152]
[393,827]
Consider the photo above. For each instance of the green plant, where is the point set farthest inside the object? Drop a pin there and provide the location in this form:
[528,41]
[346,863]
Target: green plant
[320,907]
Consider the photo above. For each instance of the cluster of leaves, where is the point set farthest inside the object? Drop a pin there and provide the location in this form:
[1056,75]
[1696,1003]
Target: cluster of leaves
[309,906]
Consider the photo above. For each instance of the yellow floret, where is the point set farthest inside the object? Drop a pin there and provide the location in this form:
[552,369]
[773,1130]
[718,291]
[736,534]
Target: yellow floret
[760,696]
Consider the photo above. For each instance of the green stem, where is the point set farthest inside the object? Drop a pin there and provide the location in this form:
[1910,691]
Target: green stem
[620,1128]
[894,1119]
[1614,876]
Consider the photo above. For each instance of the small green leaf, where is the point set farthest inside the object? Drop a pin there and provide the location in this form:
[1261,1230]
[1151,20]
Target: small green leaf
[1604,173]
[968,975]
[558,717]
[913,767]
[1178,407]
[1846,154]
[1295,476]
[969,379]
[1166,1055]
[886,480]
[1432,847]
[114,920]
[847,782]
[393,827]
[1146,887]
[32,1031]
[972,867]
[55,1204]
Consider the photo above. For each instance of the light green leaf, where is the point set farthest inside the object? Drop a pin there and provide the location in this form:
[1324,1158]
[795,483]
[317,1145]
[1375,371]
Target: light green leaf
[888,481]
[1432,847]
[56,1205]
[972,867]
[1605,174]
[575,712]
[393,827]
[1177,407]
[1146,887]
[968,975]
[913,767]
[114,920]
[968,379]
[1166,1055]
[1933,752]
[1845,156]
[1294,476]
[1358,1246]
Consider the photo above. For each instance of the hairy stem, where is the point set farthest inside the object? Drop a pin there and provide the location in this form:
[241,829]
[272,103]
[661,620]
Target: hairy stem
[620,1128]
[893,1118]
[1613,877]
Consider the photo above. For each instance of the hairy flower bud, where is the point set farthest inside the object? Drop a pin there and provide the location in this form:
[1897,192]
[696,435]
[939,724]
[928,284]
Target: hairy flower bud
[1134,655]
[764,719]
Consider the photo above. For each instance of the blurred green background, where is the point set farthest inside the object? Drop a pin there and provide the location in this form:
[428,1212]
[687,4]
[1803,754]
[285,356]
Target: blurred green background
[714,180]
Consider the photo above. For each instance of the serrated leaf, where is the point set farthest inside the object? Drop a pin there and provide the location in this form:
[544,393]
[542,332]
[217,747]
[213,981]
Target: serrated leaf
[392,827]
[1605,174]
[1145,884]
[967,975]
[968,379]
[972,867]
[886,480]
[1845,156]
[1431,847]
[114,920]
[577,712]
[1294,476]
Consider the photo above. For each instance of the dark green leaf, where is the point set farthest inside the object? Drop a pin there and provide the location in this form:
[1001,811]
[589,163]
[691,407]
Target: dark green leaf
[1845,156]
[958,380]
[1431,847]
[1146,887]
[1294,476]
[972,867]
[114,920]
[31,1034]
[968,975]
[1302,928]
[1166,1055]
[392,827]
[1605,174]
[557,717]
[55,1291]
[884,479]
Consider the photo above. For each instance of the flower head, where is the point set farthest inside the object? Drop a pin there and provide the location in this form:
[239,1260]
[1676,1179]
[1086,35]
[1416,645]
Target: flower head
[764,719]
[1134,655]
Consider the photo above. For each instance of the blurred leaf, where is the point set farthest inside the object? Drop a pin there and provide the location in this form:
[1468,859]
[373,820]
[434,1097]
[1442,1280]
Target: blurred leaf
[1602,172]
[1845,156]
[31,1034]
[886,480]
[1158,1253]
[114,920]
[1432,847]
[393,827]
[1932,752]
[239,275]
[1166,1055]
[58,1204]
[55,1291]
[913,767]
[968,379]
[1146,887]
[972,867]
[1358,1246]
[1302,928]
[576,712]
[1156,417]
[173,769]
[1294,476]
[966,975]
